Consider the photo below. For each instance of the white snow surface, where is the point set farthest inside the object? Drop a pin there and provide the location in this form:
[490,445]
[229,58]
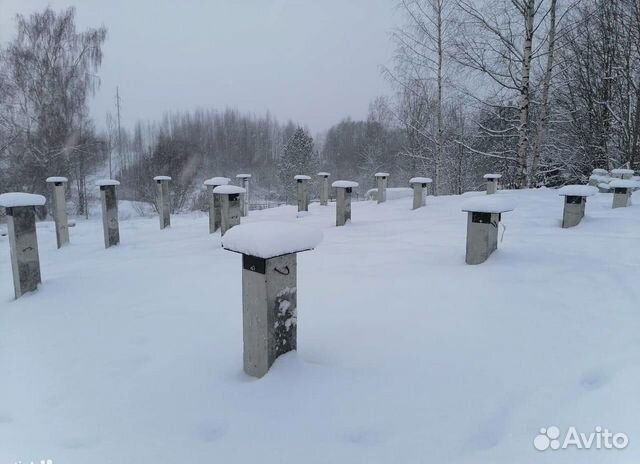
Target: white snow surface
[324,174]
[54,179]
[623,183]
[105,182]
[622,171]
[16,199]
[162,178]
[405,354]
[269,239]
[228,189]
[381,174]
[243,176]
[489,204]
[492,176]
[217,181]
[600,172]
[344,184]
[603,185]
[577,191]
[302,177]
[420,180]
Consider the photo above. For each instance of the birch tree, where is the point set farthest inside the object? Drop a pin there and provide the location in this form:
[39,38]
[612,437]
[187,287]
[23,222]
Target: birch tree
[544,105]
[497,44]
[421,75]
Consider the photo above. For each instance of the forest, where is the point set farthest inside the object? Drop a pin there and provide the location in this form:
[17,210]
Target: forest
[541,91]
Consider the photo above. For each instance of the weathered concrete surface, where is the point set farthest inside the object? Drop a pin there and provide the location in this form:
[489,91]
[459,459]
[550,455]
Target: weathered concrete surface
[382,189]
[492,186]
[23,246]
[110,225]
[621,197]
[244,197]
[164,203]
[302,195]
[573,213]
[215,209]
[343,205]
[324,190]
[269,310]
[418,195]
[60,214]
[229,211]
[482,236]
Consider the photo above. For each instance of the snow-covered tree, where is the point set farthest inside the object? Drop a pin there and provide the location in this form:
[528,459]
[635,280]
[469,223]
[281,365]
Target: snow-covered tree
[298,157]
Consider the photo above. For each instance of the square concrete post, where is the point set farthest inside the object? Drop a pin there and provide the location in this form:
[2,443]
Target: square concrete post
[622,189]
[269,289]
[244,198]
[110,226]
[483,220]
[269,306]
[573,213]
[343,200]
[215,216]
[575,200]
[229,206]
[381,183]
[324,188]
[492,182]
[23,241]
[163,200]
[59,209]
[301,191]
[621,197]
[482,236]
[419,186]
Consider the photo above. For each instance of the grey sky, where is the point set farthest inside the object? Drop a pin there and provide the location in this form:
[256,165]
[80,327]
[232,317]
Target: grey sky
[313,61]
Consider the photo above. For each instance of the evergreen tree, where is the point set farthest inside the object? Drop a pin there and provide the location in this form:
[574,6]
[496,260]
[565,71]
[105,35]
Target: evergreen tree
[298,157]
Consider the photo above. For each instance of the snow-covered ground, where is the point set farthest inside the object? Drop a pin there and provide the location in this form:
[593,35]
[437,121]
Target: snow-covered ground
[406,354]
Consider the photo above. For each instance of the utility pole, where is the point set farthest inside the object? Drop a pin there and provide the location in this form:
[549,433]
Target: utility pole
[119,131]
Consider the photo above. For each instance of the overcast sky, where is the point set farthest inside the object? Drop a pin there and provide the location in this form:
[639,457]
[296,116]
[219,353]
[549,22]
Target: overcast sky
[312,61]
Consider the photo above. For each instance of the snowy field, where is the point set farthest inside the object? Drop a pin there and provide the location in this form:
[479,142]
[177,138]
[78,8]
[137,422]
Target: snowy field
[406,354]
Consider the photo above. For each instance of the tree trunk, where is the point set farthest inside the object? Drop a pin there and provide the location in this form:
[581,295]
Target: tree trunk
[544,111]
[439,138]
[525,97]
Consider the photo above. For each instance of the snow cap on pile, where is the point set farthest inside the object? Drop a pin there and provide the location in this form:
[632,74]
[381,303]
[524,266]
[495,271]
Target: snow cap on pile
[56,179]
[17,199]
[623,183]
[488,204]
[105,182]
[577,191]
[344,184]
[420,180]
[228,189]
[270,238]
[217,181]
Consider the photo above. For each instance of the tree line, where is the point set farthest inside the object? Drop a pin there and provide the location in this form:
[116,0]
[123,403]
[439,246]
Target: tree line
[542,91]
